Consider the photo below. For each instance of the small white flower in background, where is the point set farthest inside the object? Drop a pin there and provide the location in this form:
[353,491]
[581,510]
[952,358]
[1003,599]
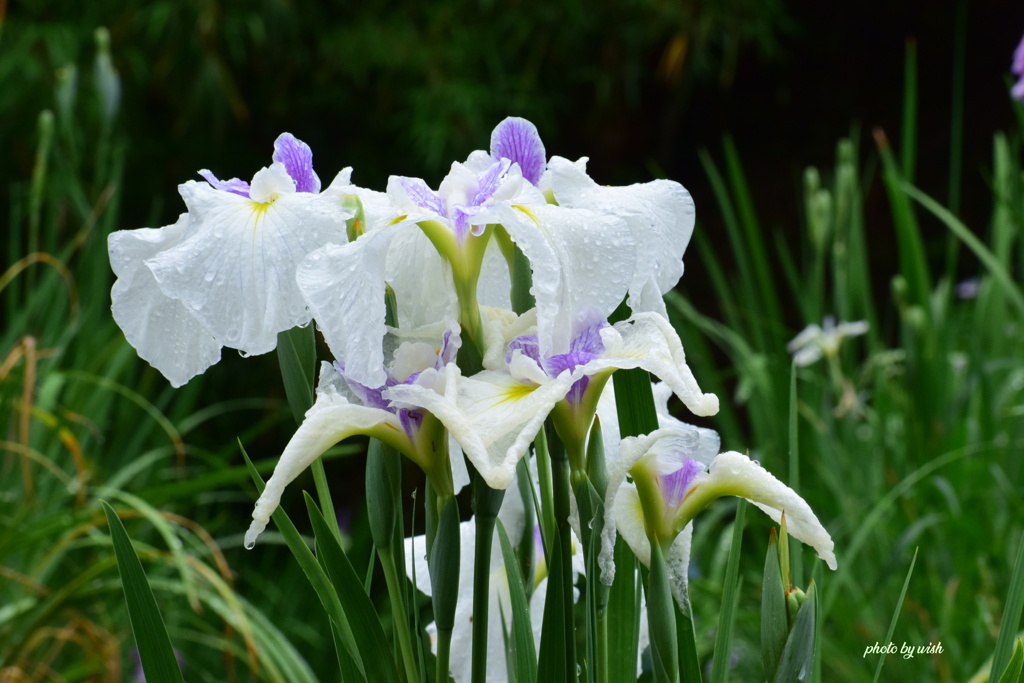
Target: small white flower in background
[224,274]
[815,342]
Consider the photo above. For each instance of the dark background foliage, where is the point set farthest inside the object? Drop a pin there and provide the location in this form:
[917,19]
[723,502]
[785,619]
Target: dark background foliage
[406,87]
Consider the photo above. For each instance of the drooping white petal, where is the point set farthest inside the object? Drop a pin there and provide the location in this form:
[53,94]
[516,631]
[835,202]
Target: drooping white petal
[648,341]
[678,561]
[581,261]
[331,419]
[162,330]
[660,215]
[235,269]
[343,285]
[735,474]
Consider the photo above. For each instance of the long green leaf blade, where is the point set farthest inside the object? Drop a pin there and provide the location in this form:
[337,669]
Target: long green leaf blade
[522,646]
[1011,613]
[155,651]
[296,353]
[314,572]
[369,635]
[895,615]
[730,595]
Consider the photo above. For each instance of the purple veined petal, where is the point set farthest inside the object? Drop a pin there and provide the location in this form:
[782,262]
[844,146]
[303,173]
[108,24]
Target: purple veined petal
[234,185]
[460,221]
[449,348]
[675,485]
[371,397]
[421,195]
[489,182]
[517,139]
[411,421]
[527,344]
[297,158]
[584,348]
[576,391]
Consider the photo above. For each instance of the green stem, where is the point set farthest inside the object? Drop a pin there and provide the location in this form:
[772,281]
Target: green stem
[444,646]
[396,592]
[661,618]
[560,491]
[547,507]
[486,503]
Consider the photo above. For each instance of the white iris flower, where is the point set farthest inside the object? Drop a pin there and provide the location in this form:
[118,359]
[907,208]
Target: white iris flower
[495,414]
[344,407]
[224,274]
[675,475]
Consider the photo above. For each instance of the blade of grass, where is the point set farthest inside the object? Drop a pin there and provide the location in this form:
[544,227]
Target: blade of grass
[736,240]
[767,300]
[913,264]
[369,635]
[155,651]
[895,616]
[988,259]
[623,615]
[1011,614]
[730,597]
[1012,672]
[314,572]
[524,660]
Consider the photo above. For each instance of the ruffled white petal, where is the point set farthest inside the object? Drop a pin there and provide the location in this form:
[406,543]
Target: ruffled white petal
[421,279]
[660,215]
[735,474]
[235,270]
[344,288]
[581,261]
[162,329]
[648,341]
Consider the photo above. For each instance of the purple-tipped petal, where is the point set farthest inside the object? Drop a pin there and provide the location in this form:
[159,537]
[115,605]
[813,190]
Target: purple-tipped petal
[517,139]
[675,485]
[234,185]
[421,195]
[297,158]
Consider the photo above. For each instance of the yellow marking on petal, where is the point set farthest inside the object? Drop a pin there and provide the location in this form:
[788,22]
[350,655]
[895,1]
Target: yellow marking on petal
[517,392]
[396,221]
[528,212]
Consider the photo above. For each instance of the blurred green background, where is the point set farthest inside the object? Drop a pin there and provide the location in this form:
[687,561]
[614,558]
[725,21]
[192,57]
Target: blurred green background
[645,88]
